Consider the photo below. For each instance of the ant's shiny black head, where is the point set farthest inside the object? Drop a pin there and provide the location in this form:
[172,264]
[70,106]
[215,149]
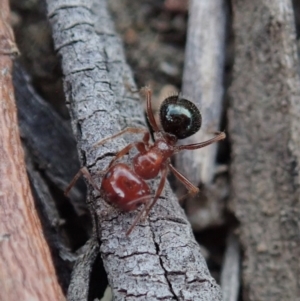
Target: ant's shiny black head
[179,117]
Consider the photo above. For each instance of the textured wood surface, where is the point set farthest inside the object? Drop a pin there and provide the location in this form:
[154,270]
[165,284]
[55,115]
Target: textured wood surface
[160,259]
[80,286]
[203,83]
[26,268]
[264,128]
[231,270]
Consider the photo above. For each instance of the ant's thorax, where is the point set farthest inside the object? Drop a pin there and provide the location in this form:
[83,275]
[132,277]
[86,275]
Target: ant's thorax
[148,164]
[168,138]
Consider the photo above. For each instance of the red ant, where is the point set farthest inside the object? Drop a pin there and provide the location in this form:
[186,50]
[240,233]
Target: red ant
[124,186]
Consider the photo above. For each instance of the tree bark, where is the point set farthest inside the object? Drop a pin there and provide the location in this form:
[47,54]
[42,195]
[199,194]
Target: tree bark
[26,268]
[160,259]
[264,128]
[231,269]
[203,83]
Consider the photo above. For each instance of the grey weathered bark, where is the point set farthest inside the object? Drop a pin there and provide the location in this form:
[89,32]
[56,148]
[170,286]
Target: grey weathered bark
[231,269]
[160,259]
[264,127]
[82,272]
[203,83]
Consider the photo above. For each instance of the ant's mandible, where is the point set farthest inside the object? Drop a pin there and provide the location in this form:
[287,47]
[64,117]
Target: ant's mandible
[124,186]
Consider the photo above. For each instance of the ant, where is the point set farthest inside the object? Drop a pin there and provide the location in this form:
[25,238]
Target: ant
[124,186]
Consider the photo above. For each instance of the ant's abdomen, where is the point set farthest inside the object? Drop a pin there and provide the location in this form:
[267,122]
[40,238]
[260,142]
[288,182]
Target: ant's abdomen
[123,188]
[148,165]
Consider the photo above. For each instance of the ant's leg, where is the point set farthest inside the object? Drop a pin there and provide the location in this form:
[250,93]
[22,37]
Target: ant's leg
[140,145]
[219,136]
[149,110]
[160,188]
[139,216]
[126,130]
[123,152]
[137,219]
[192,189]
[82,172]
[146,139]
[147,208]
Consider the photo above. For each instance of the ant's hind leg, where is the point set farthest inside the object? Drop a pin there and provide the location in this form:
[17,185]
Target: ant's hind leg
[82,172]
[147,207]
[192,189]
[126,130]
[146,201]
[159,190]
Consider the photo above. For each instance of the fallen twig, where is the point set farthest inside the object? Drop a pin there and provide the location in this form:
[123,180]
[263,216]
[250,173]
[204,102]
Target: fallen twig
[160,259]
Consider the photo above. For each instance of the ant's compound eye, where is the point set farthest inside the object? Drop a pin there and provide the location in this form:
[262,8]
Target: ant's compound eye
[180,117]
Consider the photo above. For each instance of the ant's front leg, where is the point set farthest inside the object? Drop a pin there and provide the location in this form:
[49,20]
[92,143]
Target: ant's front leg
[219,136]
[192,189]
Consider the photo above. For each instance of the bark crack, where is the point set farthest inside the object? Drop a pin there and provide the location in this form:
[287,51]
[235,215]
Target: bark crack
[162,266]
[58,9]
